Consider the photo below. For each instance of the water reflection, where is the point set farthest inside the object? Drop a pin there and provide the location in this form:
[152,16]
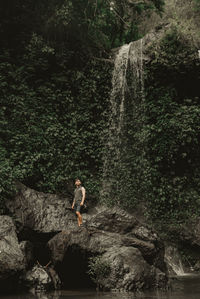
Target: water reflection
[182,287]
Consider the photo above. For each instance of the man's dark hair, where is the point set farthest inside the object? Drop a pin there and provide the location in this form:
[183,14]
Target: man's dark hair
[77,179]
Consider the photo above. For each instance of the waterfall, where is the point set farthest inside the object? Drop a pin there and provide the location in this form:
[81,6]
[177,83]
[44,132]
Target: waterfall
[173,260]
[119,86]
[124,120]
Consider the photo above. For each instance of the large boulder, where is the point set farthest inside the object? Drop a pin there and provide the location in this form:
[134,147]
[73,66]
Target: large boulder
[134,254]
[40,212]
[113,234]
[131,231]
[184,238]
[12,260]
[129,270]
[27,250]
[40,279]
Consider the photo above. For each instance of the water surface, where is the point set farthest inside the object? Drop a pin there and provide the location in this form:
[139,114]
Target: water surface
[182,287]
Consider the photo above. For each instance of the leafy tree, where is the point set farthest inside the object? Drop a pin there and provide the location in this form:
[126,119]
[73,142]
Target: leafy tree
[98,25]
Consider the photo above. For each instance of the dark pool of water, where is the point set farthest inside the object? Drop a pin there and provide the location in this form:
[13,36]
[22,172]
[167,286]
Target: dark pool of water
[182,287]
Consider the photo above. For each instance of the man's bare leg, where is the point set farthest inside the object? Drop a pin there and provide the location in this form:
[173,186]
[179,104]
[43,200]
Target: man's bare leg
[79,218]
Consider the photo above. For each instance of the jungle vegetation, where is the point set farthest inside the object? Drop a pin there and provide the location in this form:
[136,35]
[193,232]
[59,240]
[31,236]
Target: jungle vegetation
[55,82]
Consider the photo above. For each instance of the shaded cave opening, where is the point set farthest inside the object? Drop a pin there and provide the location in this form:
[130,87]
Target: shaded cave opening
[73,270]
[38,248]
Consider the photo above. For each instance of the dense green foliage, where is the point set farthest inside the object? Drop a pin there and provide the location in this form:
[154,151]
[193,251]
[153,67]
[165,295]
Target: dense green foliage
[197,3]
[51,111]
[49,131]
[100,24]
[99,269]
[159,151]
[55,83]
[173,113]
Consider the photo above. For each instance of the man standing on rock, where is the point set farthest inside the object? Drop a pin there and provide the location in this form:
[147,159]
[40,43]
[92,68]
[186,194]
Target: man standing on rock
[79,198]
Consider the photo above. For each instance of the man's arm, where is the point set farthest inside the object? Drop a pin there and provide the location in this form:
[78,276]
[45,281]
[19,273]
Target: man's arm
[83,196]
[73,203]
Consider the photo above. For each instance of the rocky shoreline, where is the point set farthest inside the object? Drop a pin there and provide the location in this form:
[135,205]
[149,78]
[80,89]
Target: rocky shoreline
[42,247]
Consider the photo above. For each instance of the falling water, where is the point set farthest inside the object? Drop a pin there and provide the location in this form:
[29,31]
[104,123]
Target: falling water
[119,86]
[173,260]
[125,101]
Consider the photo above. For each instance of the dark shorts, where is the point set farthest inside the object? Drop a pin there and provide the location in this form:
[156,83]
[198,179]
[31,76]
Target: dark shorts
[77,207]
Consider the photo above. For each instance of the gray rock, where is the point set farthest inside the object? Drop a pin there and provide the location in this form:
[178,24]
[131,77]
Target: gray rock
[41,212]
[54,277]
[190,233]
[187,235]
[112,233]
[130,232]
[103,219]
[197,266]
[130,269]
[27,249]
[11,256]
[38,279]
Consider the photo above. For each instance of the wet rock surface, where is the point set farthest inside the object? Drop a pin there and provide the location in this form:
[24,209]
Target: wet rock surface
[11,256]
[135,263]
[134,253]
[40,279]
[27,250]
[40,212]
